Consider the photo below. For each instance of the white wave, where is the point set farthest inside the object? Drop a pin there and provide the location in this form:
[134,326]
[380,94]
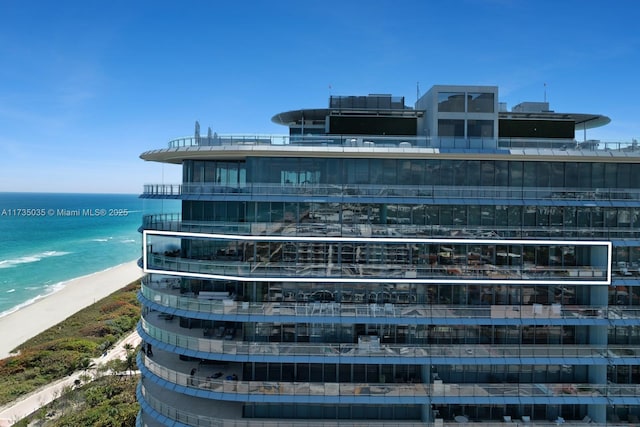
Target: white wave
[11,291]
[23,305]
[104,239]
[52,289]
[128,241]
[8,263]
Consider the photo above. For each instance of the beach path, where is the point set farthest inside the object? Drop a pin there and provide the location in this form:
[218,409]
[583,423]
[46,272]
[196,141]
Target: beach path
[24,406]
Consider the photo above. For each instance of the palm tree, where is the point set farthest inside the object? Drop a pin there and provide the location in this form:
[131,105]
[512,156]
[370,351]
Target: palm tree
[130,361]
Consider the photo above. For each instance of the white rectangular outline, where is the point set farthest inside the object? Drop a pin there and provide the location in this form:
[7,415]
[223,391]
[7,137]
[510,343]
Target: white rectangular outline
[145,268]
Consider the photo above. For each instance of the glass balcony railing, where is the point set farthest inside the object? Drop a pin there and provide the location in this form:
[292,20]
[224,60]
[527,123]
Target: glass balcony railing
[394,191]
[173,299]
[372,270]
[171,412]
[403,142]
[174,222]
[259,391]
[161,331]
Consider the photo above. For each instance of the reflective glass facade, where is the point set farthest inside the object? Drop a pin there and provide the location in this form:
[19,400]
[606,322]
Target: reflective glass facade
[393,287]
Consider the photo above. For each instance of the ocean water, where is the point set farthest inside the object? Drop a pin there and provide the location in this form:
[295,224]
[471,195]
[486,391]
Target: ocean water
[48,239]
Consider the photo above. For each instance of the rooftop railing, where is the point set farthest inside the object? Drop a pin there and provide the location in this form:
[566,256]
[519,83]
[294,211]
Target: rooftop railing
[371,141]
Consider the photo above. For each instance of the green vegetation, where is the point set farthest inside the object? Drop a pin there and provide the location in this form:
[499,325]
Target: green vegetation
[107,401]
[70,345]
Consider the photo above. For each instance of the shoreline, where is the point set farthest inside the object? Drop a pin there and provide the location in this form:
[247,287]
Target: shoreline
[28,321]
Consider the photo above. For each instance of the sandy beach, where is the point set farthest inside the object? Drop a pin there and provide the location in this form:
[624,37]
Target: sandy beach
[77,294]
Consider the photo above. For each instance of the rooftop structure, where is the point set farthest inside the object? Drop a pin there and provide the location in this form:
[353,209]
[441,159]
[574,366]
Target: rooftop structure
[385,265]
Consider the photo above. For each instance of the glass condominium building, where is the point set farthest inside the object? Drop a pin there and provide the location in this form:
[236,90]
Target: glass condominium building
[386,265]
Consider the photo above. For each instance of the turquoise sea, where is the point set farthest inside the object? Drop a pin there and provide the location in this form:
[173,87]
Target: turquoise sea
[48,239]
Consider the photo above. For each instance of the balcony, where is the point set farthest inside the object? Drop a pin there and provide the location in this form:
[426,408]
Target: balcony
[156,327]
[169,413]
[174,222]
[416,192]
[371,272]
[387,393]
[167,297]
[163,405]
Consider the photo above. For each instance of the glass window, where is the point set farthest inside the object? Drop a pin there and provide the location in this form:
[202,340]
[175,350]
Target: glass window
[462,169]
[556,216]
[444,171]
[446,215]
[487,215]
[487,173]
[186,170]
[417,172]
[529,218]
[623,175]
[480,102]
[480,128]
[502,173]
[610,175]
[376,167]
[451,102]
[543,216]
[515,215]
[449,128]
[557,174]
[474,215]
[584,175]
[404,172]
[198,171]
[529,174]
[635,171]
[569,218]
[515,174]
[597,177]
[460,215]
[583,217]
[542,174]
[571,175]
[611,217]
[432,172]
[501,215]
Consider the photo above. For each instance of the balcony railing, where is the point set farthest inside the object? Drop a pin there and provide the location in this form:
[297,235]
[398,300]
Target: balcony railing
[171,412]
[174,222]
[394,191]
[393,352]
[259,391]
[372,270]
[403,142]
[191,303]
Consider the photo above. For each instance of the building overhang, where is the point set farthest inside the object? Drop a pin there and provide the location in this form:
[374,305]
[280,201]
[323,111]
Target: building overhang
[581,120]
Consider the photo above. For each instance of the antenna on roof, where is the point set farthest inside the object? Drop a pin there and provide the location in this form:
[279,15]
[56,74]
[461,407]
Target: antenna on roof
[545,92]
[417,91]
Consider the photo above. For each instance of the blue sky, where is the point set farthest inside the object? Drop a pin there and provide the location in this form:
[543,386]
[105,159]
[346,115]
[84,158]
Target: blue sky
[86,86]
